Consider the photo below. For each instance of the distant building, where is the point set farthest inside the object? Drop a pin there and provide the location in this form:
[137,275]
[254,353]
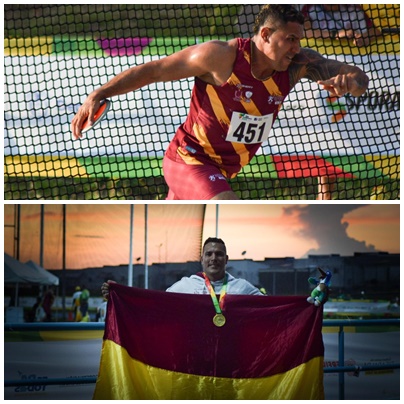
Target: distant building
[376,274]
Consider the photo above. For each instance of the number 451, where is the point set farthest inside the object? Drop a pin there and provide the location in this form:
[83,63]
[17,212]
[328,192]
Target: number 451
[247,132]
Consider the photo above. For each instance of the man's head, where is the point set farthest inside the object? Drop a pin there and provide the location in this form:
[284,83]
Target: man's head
[278,31]
[276,16]
[214,258]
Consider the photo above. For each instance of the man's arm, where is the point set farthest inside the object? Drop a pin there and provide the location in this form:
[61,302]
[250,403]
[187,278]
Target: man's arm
[336,77]
[211,61]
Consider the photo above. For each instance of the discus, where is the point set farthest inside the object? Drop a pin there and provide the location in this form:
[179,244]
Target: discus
[105,105]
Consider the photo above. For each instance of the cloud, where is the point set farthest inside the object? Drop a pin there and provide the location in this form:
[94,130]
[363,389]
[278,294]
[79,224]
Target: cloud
[325,225]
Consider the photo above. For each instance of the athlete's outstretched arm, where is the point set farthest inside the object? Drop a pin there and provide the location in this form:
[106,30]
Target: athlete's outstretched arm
[207,60]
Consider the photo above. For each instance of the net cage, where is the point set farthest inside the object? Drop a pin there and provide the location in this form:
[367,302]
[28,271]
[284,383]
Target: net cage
[319,148]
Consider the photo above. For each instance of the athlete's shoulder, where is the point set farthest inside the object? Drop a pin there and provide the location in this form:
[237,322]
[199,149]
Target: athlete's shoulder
[218,46]
[303,64]
[306,56]
[243,287]
[218,58]
[186,284]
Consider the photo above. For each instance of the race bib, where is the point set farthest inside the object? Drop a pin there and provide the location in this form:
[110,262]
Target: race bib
[249,129]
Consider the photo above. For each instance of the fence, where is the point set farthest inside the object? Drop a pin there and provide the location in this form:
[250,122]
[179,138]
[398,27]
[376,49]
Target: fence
[55,54]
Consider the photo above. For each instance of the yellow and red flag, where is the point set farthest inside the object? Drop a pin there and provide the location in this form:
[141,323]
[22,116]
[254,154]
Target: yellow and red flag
[160,345]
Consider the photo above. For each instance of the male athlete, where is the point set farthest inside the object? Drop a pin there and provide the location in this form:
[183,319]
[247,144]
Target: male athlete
[214,259]
[239,88]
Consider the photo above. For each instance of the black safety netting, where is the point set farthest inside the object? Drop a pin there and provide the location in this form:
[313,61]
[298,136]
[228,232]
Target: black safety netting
[320,147]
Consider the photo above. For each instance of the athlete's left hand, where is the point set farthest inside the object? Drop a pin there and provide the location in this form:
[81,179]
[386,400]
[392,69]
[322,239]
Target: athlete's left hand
[339,85]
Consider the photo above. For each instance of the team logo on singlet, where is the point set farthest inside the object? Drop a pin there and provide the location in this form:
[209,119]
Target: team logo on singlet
[243,93]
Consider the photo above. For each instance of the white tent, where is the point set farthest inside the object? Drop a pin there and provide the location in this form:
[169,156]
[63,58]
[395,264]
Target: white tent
[17,272]
[47,277]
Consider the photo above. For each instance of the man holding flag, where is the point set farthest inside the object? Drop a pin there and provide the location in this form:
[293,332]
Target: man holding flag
[181,345]
[214,260]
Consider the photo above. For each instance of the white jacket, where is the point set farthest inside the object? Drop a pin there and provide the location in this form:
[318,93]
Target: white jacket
[195,284]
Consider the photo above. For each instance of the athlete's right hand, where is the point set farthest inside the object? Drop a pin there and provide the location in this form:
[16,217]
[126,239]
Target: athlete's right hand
[105,289]
[87,110]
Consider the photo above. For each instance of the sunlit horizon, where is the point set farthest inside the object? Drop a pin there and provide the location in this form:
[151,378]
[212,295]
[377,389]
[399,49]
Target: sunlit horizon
[99,234]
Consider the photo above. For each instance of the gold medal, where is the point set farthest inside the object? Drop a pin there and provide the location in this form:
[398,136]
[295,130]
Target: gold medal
[219,320]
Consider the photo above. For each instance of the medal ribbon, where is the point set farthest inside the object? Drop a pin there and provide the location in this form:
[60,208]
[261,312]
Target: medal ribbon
[218,304]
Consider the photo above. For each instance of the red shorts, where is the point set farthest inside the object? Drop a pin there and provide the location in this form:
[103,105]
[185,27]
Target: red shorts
[193,182]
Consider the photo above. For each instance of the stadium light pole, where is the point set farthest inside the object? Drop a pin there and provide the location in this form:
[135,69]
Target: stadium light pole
[130,267]
[64,227]
[42,233]
[217,220]
[146,268]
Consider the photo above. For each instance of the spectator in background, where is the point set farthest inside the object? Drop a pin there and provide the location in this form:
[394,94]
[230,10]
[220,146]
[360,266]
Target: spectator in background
[47,303]
[36,313]
[84,296]
[101,312]
[76,304]
[337,21]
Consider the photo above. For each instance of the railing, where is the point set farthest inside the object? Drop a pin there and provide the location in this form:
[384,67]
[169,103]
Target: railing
[341,369]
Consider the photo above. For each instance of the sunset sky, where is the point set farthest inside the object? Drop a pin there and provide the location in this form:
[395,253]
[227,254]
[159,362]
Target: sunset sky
[99,234]
[279,230]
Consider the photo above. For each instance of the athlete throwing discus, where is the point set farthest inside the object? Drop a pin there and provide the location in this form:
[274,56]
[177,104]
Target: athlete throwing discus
[239,88]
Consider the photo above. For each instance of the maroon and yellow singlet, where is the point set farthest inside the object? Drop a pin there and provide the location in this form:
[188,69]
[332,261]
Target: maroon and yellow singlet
[227,124]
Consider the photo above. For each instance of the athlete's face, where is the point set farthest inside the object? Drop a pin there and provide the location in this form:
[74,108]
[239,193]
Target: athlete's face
[214,260]
[283,44]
